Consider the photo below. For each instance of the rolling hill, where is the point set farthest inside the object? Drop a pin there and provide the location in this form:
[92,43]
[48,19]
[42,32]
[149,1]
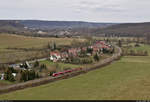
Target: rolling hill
[127,29]
[32,27]
[8,25]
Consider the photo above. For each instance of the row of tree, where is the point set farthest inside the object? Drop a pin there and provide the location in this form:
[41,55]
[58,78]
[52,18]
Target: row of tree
[135,53]
[21,75]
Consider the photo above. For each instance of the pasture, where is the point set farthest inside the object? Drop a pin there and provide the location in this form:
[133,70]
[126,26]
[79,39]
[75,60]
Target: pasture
[126,79]
[137,49]
[141,48]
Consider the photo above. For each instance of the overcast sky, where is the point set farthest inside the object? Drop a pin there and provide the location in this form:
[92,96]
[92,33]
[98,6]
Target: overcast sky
[77,10]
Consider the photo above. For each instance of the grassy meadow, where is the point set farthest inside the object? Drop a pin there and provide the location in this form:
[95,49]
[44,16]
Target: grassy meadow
[52,65]
[141,48]
[131,46]
[126,79]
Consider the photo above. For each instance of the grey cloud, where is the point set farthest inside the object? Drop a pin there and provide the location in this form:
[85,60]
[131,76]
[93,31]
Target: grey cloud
[85,10]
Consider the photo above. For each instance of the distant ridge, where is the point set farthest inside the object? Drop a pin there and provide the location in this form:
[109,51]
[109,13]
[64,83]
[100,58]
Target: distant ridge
[30,27]
[128,29]
[10,26]
[39,24]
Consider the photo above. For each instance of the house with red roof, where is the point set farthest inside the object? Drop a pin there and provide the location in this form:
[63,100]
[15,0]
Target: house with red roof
[73,52]
[55,56]
[64,55]
[95,49]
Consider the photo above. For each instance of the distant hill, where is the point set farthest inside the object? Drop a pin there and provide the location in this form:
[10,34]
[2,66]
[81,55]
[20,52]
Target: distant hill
[8,25]
[127,29]
[61,24]
[49,28]
[34,27]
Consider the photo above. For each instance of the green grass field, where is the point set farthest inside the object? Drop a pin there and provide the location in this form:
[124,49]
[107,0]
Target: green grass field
[126,79]
[143,47]
[61,65]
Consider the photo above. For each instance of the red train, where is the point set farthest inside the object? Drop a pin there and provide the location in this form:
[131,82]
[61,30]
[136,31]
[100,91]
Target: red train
[66,71]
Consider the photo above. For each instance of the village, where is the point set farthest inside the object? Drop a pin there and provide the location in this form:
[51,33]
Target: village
[30,70]
[99,47]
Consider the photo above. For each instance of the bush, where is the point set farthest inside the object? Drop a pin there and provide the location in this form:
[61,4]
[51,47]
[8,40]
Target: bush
[89,50]
[96,57]
[86,61]
[105,50]
[132,52]
[36,64]
[119,43]
[3,67]
[43,66]
[77,60]
[145,53]
[8,74]
[28,75]
[137,45]
[135,53]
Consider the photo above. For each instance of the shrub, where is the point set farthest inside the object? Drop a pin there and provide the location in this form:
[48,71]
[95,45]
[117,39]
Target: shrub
[96,57]
[119,43]
[43,66]
[36,64]
[89,50]
[146,53]
[132,52]
[28,75]
[8,74]
[137,45]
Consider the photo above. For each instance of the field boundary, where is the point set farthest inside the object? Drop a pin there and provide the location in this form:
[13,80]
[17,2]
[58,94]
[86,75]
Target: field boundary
[41,81]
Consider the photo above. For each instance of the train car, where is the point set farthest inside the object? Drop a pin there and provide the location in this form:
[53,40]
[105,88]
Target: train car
[60,73]
[66,71]
[69,70]
[55,74]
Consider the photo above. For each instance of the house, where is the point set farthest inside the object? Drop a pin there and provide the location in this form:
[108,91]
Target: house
[55,56]
[91,47]
[105,47]
[2,76]
[84,48]
[73,52]
[28,65]
[102,42]
[95,49]
[88,54]
[78,50]
[25,65]
[64,55]
[14,74]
